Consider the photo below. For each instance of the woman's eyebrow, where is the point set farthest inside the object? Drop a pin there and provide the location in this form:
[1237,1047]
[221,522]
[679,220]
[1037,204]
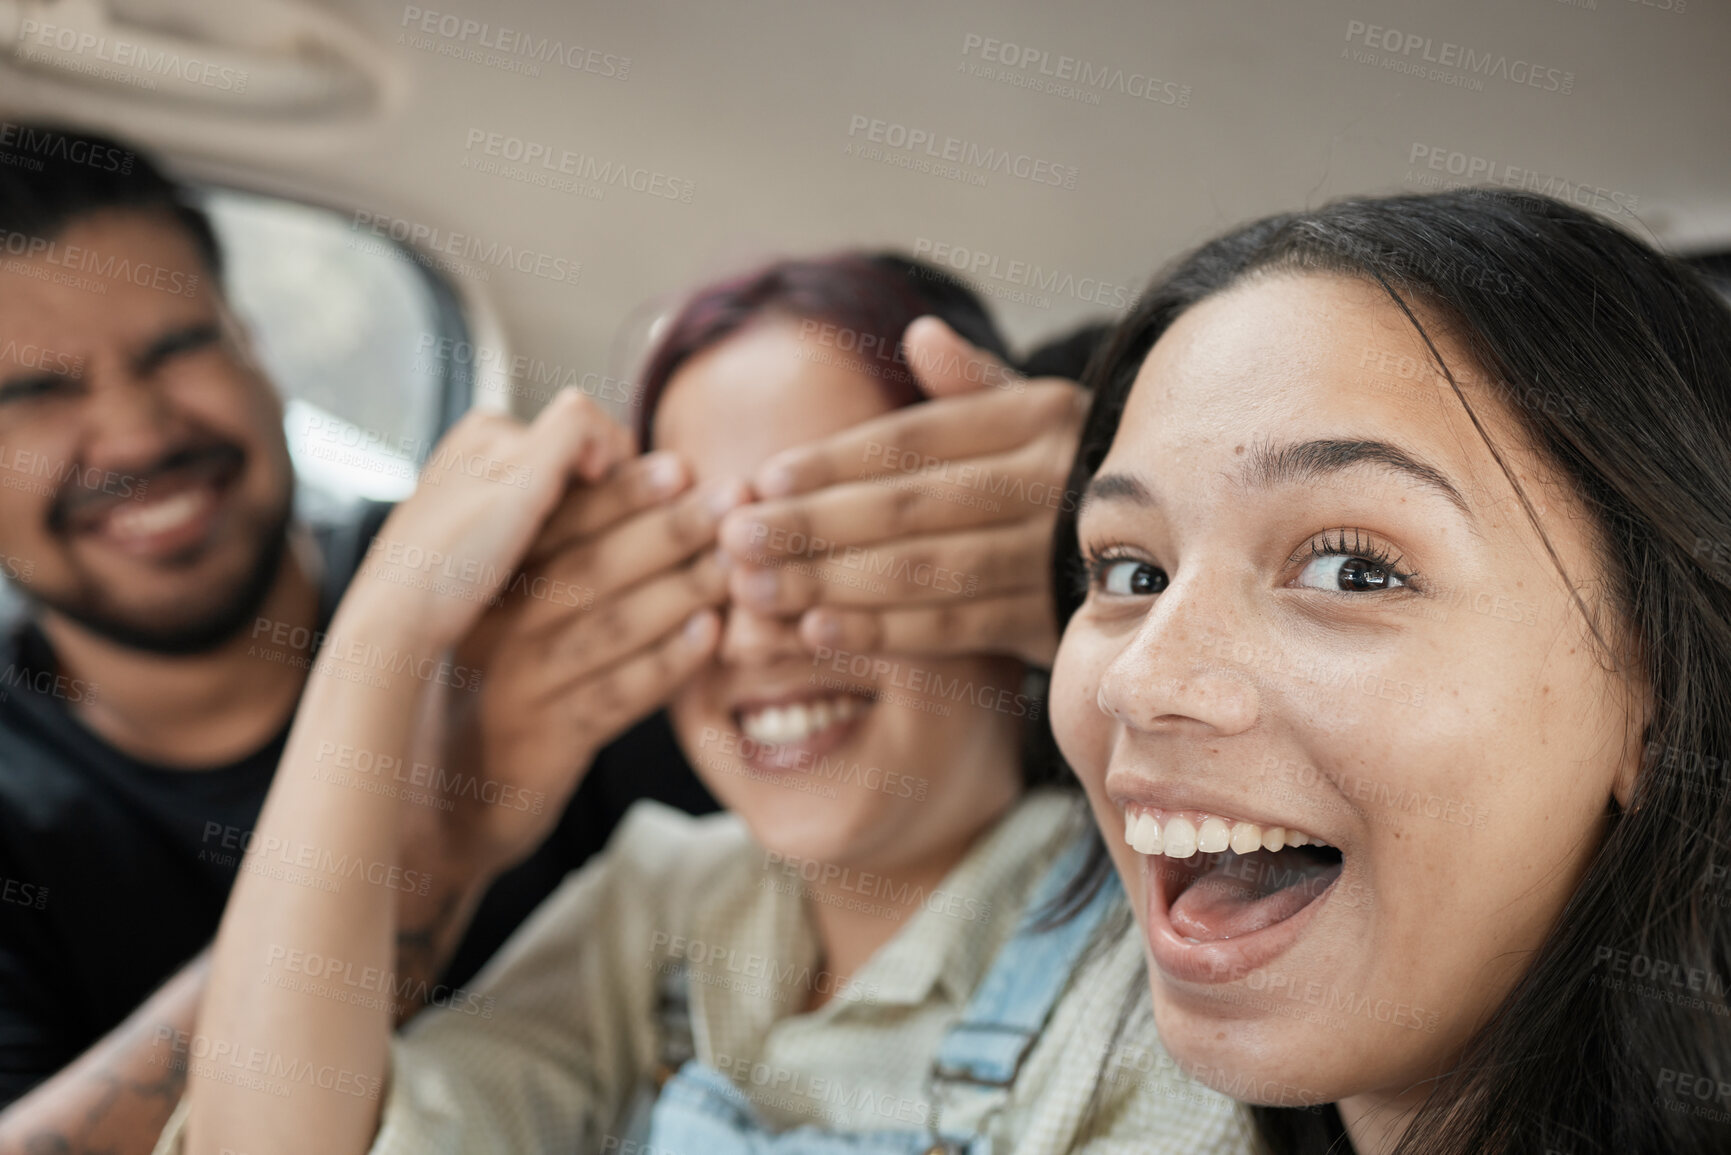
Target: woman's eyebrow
[1119,487]
[1302,461]
[1294,463]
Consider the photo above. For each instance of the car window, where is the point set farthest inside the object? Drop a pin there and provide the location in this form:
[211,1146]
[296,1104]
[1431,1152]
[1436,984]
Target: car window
[348,324]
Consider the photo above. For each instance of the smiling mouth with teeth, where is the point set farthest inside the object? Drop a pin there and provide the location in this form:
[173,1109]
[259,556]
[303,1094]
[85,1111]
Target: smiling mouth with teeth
[1214,881]
[788,734]
[164,513]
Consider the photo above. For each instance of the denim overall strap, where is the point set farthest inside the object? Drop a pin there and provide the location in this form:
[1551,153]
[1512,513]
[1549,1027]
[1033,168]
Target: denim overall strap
[674,1049]
[979,1059]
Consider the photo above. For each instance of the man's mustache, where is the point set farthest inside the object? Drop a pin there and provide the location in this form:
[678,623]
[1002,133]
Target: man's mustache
[88,493]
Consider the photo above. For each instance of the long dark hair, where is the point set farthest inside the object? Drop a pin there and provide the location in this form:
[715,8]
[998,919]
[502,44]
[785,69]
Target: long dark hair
[1616,361]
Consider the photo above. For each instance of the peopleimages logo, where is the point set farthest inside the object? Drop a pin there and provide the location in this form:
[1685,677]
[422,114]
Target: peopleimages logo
[1436,167]
[35,36]
[904,138]
[550,165]
[1026,274]
[1411,49]
[41,143]
[18,677]
[42,359]
[25,463]
[514,42]
[1088,78]
[468,247]
[84,259]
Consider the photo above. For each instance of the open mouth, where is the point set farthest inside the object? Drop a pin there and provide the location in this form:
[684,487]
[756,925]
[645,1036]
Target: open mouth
[792,733]
[1226,896]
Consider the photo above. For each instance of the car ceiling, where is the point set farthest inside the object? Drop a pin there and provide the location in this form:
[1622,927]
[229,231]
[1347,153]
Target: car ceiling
[752,103]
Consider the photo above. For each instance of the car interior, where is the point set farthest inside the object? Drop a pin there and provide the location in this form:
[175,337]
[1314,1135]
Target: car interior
[436,209]
[431,209]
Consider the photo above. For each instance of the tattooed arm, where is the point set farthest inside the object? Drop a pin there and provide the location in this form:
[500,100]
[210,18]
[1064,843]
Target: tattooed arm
[117,1095]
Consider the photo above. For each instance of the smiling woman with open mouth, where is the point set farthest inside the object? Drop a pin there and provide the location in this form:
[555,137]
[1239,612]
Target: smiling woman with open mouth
[1392,691]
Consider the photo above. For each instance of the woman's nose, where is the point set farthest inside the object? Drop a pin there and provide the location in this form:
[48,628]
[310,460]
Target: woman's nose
[1177,673]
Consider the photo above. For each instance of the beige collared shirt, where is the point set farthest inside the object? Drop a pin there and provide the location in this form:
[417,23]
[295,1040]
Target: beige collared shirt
[558,1044]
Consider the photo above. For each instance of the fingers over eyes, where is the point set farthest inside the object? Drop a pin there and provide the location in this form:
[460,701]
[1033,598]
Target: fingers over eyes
[630,488]
[1021,624]
[985,491]
[574,437]
[933,568]
[635,618]
[948,429]
[946,364]
[646,542]
[610,700]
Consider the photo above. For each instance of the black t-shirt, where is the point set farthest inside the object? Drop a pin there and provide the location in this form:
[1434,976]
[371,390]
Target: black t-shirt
[114,871]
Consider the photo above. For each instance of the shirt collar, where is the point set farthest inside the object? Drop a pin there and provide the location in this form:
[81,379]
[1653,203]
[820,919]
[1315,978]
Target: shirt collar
[751,960]
[958,926]
[761,973]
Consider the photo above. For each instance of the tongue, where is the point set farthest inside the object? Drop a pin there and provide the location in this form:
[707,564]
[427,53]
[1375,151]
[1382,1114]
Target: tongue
[1241,894]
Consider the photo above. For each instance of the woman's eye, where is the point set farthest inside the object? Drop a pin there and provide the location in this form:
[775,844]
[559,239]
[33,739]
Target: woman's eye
[1345,573]
[1131,578]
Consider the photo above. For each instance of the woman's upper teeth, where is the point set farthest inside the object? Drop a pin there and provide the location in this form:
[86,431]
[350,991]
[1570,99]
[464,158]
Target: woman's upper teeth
[1181,834]
[796,721]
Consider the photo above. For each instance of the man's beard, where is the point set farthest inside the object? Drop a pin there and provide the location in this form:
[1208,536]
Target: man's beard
[228,611]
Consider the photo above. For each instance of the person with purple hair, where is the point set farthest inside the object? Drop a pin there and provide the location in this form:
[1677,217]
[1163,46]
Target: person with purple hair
[883,944]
